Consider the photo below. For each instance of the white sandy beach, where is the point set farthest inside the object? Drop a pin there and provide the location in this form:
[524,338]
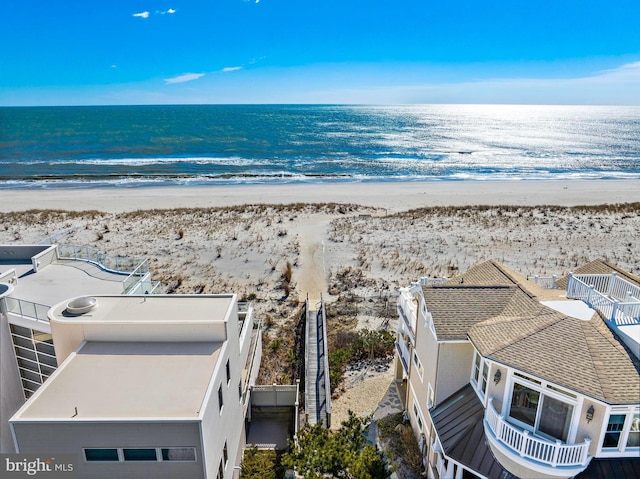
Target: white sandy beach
[392,196]
[207,240]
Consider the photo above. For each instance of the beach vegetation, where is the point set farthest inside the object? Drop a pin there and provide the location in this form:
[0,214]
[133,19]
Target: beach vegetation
[320,452]
[400,445]
[262,464]
[350,347]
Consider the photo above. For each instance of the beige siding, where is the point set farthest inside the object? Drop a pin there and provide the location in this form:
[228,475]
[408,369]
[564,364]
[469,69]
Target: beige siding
[454,368]
[427,351]
[497,390]
[591,429]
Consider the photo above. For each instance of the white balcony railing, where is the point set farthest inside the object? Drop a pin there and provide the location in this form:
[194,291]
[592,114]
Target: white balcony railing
[615,298]
[524,444]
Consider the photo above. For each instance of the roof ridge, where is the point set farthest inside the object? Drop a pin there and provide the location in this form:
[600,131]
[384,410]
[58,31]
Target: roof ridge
[542,312]
[594,353]
[611,337]
[516,281]
[621,271]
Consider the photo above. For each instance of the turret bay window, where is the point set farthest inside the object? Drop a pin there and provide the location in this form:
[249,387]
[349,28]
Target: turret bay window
[541,408]
[622,431]
[480,374]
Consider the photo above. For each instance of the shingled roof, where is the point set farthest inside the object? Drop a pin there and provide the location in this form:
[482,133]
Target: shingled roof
[600,266]
[456,308]
[498,309]
[583,356]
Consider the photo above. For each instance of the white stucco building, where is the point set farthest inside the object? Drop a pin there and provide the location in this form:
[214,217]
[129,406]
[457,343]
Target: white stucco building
[140,385]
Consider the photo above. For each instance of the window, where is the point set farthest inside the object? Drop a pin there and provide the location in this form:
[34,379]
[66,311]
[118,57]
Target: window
[228,373]
[225,454]
[476,367]
[536,410]
[430,396]
[418,364]
[220,401]
[220,470]
[622,432]
[634,433]
[480,374]
[101,455]
[485,374]
[614,430]
[182,454]
[139,454]
[416,413]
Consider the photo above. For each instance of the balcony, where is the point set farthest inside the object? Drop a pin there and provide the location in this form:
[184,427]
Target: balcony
[408,312]
[403,353]
[616,298]
[533,452]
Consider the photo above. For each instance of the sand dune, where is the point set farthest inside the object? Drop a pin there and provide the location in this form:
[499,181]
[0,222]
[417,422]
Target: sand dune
[356,249]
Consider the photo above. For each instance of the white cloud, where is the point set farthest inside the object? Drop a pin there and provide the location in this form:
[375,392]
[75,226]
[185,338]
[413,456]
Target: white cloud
[170,11]
[183,78]
[167,12]
[141,14]
[114,66]
[230,69]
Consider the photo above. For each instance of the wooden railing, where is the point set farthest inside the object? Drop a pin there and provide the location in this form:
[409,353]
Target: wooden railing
[526,445]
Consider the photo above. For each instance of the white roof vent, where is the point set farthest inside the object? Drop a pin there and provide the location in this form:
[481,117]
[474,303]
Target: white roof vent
[81,305]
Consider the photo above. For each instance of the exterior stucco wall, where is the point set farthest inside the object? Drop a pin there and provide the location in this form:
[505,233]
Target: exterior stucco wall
[44,438]
[226,425]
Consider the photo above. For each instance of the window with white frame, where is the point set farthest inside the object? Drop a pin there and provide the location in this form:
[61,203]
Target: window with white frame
[542,408]
[480,374]
[418,364]
[622,431]
[416,413]
[430,396]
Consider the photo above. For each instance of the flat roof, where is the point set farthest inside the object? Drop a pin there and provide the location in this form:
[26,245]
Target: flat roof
[54,282]
[572,307]
[118,380]
[152,308]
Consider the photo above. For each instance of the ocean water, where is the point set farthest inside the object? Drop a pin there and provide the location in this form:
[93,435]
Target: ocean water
[137,146]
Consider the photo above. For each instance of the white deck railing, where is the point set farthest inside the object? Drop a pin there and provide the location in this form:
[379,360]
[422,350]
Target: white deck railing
[615,298]
[526,445]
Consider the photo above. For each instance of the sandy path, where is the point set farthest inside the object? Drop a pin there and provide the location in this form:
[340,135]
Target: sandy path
[313,275]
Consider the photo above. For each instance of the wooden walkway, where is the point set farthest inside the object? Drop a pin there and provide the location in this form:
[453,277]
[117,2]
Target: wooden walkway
[317,387]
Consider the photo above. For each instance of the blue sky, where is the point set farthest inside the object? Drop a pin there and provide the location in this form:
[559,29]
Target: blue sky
[348,51]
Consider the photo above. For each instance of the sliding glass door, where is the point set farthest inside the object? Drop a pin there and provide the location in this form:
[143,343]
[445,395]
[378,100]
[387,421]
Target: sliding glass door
[539,412]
